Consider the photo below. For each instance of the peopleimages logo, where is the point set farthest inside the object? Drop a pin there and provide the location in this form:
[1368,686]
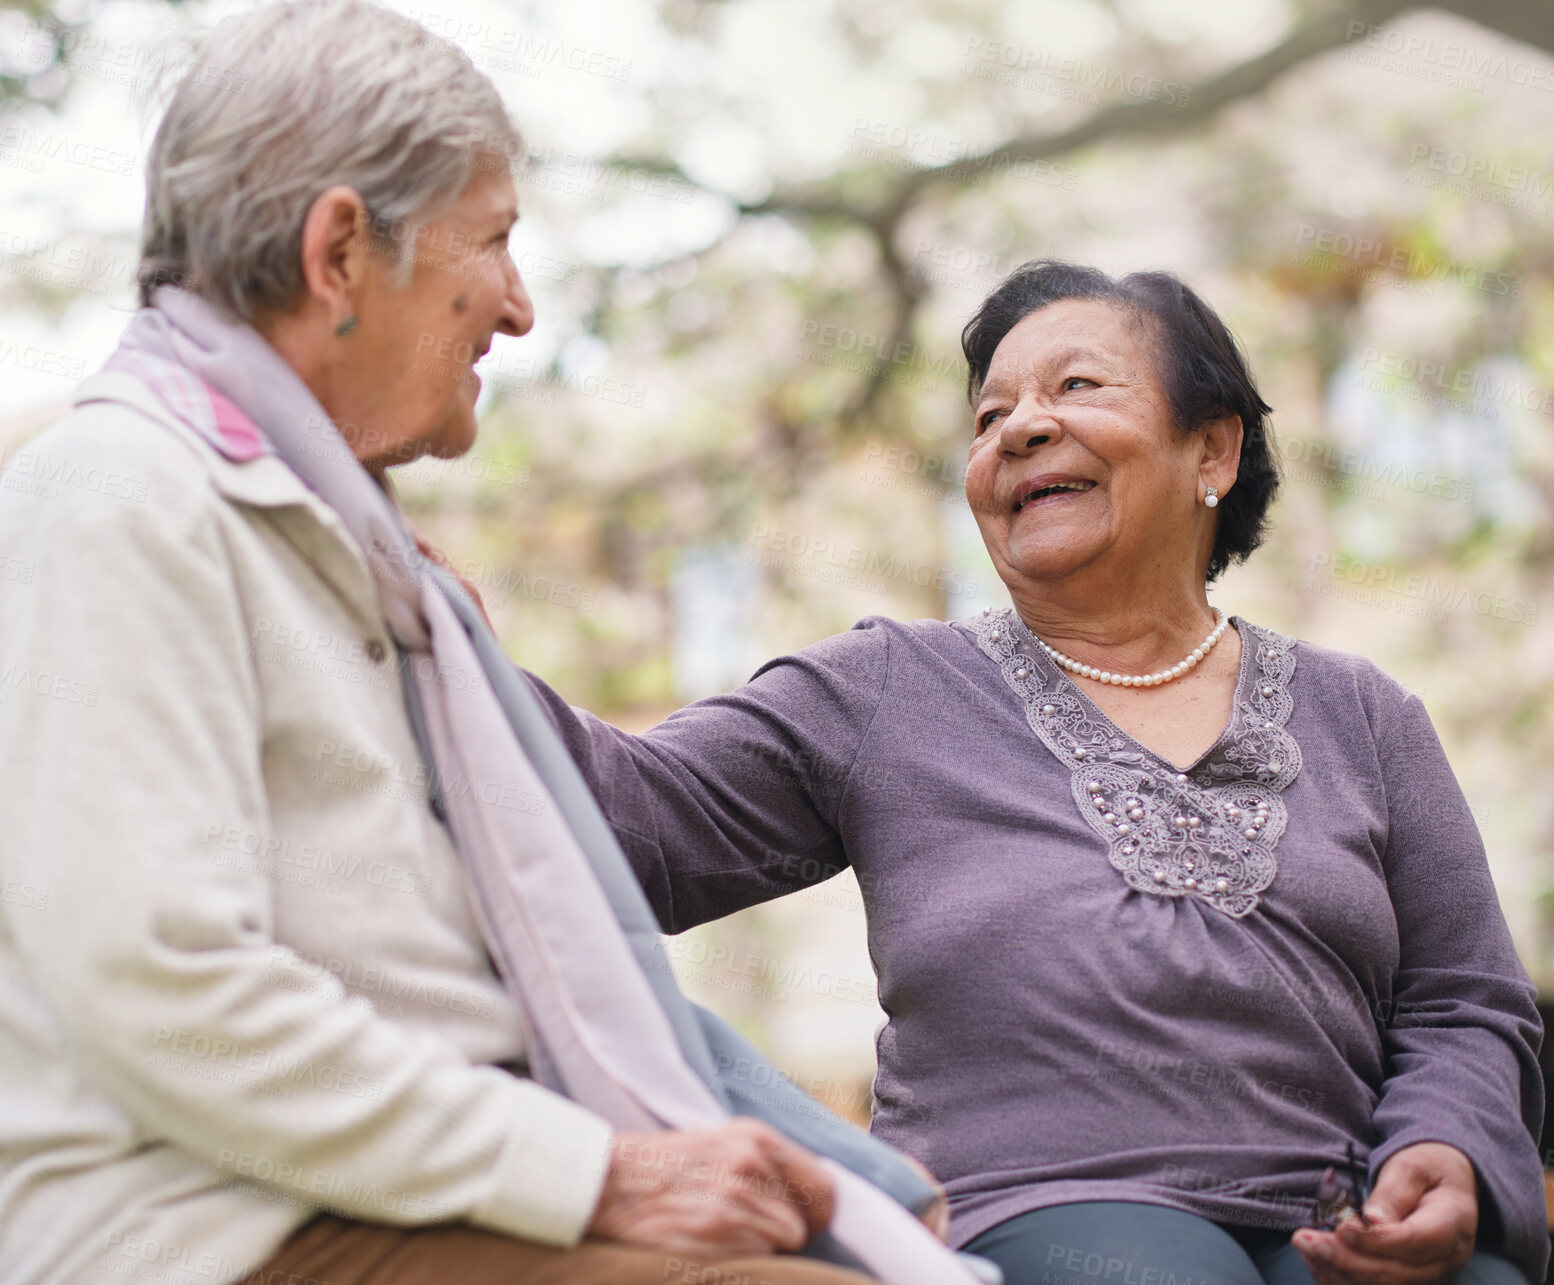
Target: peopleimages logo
[1482,169]
[1453,62]
[332,1188]
[864,562]
[481,37]
[1360,253]
[82,267]
[1003,61]
[1364,474]
[30,148]
[43,361]
[43,682]
[1476,386]
[905,146]
[1410,592]
[879,353]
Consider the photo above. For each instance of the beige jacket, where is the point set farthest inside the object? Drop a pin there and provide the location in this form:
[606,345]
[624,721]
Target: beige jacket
[240,980]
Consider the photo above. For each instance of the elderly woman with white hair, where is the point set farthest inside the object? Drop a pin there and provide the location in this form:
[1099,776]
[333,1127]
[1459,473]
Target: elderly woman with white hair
[260,1015]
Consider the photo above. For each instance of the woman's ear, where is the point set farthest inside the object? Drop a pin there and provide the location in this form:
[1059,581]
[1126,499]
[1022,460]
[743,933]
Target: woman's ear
[1221,446]
[335,251]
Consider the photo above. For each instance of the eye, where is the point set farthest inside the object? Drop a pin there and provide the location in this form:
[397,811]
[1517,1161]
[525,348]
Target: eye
[987,419]
[1069,383]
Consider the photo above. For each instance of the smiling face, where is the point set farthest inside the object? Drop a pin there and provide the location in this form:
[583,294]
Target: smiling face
[1077,466]
[407,379]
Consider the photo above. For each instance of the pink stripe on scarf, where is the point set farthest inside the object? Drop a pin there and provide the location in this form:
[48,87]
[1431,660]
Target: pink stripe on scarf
[205,409]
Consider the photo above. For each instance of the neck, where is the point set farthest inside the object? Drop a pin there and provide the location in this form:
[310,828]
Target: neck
[298,338]
[303,339]
[1135,632]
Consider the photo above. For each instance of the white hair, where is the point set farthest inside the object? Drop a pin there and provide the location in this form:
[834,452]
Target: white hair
[284,102]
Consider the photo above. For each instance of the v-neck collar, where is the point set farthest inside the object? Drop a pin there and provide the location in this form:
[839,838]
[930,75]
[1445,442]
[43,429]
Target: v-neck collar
[1204,833]
[1242,673]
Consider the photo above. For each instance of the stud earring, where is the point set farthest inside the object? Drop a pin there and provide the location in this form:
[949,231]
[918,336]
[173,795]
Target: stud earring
[346,327]
[1211,500]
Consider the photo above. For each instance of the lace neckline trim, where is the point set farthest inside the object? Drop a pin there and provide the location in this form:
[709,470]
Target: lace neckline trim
[1206,832]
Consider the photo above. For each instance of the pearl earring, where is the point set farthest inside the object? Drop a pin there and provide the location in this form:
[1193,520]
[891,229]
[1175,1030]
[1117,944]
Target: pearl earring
[1211,500]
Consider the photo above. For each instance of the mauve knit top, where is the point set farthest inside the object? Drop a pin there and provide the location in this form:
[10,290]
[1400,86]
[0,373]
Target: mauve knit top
[1107,979]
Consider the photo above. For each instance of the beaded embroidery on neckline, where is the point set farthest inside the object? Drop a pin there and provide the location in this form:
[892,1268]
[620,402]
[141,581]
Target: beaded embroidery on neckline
[1208,833]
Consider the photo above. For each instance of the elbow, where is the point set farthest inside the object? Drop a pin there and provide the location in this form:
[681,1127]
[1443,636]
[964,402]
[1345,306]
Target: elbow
[647,864]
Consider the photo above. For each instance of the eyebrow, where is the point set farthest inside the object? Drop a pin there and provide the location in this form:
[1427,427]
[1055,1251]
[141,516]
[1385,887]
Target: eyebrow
[1078,354]
[1061,358]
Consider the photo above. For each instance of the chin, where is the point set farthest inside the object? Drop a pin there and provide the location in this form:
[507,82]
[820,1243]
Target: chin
[456,436]
[1046,560]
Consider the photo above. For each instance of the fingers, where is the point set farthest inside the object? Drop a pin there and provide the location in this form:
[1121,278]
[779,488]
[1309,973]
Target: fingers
[745,1211]
[808,1185]
[1412,1174]
[742,1188]
[1334,1263]
[1425,1248]
[694,1225]
[1436,1230]
[1424,1211]
[1424,1214]
[1400,1186]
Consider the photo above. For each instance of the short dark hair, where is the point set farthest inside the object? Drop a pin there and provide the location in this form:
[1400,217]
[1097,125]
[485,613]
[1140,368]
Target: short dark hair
[1204,373]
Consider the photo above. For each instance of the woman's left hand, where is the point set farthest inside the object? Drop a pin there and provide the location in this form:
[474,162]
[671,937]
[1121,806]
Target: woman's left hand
[1424,1217]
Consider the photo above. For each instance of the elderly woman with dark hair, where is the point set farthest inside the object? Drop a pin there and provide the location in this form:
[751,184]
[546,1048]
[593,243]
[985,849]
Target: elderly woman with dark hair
[1172,914]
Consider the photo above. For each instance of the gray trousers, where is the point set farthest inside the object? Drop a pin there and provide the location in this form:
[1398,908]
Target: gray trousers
[1124,1243]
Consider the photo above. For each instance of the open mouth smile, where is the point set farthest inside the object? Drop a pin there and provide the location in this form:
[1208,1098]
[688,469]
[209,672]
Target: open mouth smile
[1041,489]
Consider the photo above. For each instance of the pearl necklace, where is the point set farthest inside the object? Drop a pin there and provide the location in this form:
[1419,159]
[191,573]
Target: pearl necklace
[1141,680]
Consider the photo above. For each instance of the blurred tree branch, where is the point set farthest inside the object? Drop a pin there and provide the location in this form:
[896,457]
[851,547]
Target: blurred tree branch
[1530,21]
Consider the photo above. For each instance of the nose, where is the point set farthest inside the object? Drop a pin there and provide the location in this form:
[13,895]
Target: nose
[1029,425]
[517,317]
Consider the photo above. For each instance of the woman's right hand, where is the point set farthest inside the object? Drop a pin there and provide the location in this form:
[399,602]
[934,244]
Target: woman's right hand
[742,1189]
[1423,1219]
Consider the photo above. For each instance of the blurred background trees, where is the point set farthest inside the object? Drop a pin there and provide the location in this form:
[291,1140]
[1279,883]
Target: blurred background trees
[753,230]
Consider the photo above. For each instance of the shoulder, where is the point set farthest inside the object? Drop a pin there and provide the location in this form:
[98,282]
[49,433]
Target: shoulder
[851,671]
[106,503]
[1337,685]
[876,641]
[106,464]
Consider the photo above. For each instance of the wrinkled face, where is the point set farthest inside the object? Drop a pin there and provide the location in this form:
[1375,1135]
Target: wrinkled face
[416,345]
[1076,457]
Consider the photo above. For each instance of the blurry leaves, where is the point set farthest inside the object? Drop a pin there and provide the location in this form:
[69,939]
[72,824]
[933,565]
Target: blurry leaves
[34,43]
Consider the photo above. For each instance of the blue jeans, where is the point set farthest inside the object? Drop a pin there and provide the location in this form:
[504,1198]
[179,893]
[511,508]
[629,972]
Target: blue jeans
[1124,1243]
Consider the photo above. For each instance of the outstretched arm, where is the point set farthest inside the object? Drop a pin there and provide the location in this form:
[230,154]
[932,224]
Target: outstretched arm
[737,799]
